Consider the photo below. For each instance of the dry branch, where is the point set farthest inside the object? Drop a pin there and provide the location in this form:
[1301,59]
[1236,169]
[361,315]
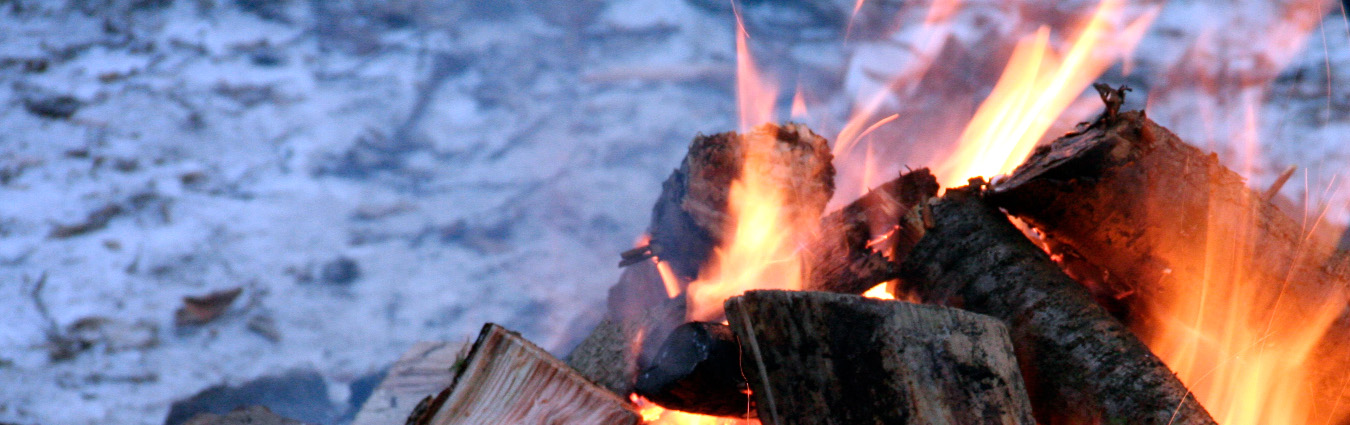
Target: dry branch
[825,358]
[1082,366]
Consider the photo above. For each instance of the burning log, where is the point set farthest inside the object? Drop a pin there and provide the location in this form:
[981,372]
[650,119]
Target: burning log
[691,209]
[697,370]
[506,379]
[1134,203]
[1145,219]
[841,257]
[824,358]
[1082,365]
[690,217]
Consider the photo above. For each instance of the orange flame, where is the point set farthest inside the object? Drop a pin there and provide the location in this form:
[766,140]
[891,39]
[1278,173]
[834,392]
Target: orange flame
[755,94]
[653,414]
[1244,348]
[1035,88]
[761,251]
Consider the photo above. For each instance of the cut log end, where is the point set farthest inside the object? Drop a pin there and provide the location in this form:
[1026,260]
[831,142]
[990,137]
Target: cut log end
[507,379]
[824,358]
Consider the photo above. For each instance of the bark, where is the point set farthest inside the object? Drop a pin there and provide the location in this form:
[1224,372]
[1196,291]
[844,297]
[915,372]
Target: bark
[1149,222]
[1082,365]
[842,256]
[825,358]
[1144,213]
[691,216]
[506,379]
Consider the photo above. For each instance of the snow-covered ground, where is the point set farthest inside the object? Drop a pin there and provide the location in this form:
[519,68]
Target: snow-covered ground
[475,161]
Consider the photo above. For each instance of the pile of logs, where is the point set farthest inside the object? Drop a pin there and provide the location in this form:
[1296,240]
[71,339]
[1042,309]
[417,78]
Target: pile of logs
[1012,325]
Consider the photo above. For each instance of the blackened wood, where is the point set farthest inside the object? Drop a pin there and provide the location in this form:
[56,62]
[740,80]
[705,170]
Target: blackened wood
[1082,365]
[826,358]
[697,369]
[507,379]
[842,256]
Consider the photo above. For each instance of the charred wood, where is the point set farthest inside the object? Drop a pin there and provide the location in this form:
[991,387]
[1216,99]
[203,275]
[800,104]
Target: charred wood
[697,369]
[825,358]
[843,256]
[1082,365]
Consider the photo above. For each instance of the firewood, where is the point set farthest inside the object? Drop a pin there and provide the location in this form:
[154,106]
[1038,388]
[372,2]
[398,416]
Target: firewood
[1138,206]
[697,369]
[423,370]
[1082,365]
[1138,214]
[841,257]
[826,358]
[690,217]
[507,379]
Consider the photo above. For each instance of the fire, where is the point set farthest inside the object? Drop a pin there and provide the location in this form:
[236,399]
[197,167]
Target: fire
[657,415]
[1036,86]
[761,251]
[880,292]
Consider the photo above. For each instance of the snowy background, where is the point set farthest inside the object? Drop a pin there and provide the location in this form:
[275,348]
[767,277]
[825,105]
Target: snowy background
[375,173]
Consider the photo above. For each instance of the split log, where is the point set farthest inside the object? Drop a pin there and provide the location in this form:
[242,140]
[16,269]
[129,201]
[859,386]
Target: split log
[825,358]
[1082,365]
[506,379]
[697,369]
[423,370]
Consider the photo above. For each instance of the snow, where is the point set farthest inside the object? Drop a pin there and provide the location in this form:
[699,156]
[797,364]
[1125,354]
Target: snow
[248,150]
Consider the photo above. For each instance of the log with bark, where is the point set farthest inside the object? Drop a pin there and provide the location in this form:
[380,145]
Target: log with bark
[826,358]
[1148,221]
[690,217]
[507,379]
[1082,365]
[1138,208]
[692,206]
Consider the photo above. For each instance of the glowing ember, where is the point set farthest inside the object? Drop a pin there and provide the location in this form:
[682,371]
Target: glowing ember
[879,292]
[657,415]
[1035,88]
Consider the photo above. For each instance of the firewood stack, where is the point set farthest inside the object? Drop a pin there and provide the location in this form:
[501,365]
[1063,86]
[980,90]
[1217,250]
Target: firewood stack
[1001,333]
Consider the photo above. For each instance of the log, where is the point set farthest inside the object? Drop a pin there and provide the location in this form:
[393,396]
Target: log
[842,257]
[1082,365]
[1137,209]
[507,379]
[690,216]
[423,370]
[1149,222]
[697,369]
[826,358]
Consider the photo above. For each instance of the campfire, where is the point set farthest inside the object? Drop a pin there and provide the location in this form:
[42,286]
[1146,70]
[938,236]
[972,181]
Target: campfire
[1115,275]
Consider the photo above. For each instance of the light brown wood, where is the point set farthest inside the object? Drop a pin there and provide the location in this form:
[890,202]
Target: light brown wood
[509,380]
[826,358]
[424,369]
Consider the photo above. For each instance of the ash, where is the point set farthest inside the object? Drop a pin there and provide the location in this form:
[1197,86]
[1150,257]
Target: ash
[375,173]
